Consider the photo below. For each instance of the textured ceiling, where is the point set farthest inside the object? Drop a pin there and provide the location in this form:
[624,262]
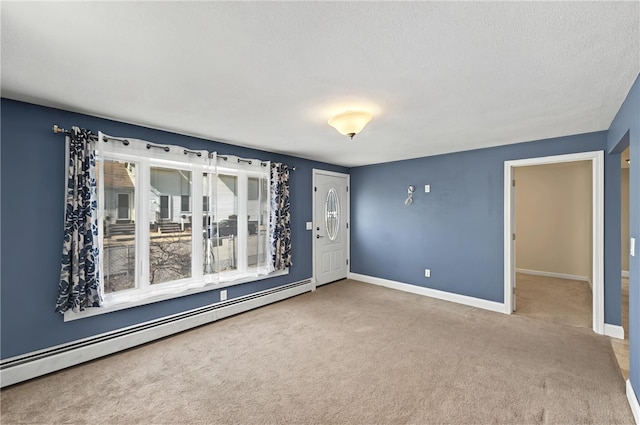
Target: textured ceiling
[438,77]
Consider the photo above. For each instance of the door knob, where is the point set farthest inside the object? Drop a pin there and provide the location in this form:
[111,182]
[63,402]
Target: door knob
[318,236]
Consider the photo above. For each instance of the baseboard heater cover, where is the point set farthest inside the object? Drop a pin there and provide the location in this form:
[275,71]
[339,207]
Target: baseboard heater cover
[32,365]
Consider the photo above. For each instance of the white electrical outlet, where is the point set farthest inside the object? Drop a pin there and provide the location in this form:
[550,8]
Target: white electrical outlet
[309,225]
[427,273]
[223,295]
[427,188]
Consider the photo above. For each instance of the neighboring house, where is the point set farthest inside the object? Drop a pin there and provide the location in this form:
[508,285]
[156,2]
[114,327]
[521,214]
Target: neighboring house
[170,195]
[257,207]
[119,192]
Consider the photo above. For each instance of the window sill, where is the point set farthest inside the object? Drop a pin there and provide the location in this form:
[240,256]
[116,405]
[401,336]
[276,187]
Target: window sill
[112,306]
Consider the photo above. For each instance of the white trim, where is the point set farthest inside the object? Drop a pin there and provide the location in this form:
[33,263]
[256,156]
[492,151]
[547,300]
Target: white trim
[70,315]
[614,331]
[553,274]
[432,293]
[633,402]
[625,273]
[315,172]
[41,362]
[597,253]
[329,173]
[597,187]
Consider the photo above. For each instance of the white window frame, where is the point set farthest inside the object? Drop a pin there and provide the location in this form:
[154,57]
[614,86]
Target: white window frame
[242,270]
[144,292]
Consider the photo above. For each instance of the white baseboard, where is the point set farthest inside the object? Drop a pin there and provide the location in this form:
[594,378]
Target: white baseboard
[553,274]
[38,363]
[433,293]
[614,331]
[633,402]
[625,273]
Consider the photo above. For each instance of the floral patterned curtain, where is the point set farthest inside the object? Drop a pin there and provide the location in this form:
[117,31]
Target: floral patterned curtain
[280,218]
[79,285]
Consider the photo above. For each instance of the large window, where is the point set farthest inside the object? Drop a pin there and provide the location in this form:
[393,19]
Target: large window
[155,242]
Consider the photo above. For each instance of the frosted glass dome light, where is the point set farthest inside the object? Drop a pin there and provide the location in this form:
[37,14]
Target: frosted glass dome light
[350,123]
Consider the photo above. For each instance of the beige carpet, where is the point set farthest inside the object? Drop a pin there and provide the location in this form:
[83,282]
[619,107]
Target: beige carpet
[562,301]
[569,302]
[349,353]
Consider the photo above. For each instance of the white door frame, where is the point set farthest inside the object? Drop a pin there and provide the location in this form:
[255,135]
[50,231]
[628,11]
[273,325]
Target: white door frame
[597,187]
[317,171]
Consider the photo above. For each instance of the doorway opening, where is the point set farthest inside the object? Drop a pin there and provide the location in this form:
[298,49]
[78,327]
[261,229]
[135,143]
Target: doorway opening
[553,239]
[596,272]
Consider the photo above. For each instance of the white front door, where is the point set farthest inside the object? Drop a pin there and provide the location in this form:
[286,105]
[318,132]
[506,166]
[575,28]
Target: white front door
[330,226]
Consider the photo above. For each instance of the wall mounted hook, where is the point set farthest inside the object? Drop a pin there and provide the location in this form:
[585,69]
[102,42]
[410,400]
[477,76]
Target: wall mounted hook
[410,191]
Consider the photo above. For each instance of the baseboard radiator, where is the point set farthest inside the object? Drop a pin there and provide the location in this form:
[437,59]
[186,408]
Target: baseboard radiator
[32,365]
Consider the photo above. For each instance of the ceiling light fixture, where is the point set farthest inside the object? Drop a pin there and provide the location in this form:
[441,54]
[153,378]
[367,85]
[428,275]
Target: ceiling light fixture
[350,123]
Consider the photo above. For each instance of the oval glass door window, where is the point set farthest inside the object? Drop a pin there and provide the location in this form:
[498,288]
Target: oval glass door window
[332,214]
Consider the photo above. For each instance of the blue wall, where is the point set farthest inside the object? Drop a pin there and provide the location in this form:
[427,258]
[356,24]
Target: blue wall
[625,131]
[32,176]
[456,230]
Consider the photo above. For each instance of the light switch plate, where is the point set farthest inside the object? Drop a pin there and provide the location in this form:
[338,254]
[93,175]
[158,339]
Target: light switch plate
[427,188]
[309,225]
[632,247]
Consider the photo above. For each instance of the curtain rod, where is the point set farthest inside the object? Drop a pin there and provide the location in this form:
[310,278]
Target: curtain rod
[92,136]
[57,129]
[248,161]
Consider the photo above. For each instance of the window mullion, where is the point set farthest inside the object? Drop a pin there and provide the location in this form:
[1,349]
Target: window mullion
[243,221]
[143,229]
[213,214]
[196,223]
